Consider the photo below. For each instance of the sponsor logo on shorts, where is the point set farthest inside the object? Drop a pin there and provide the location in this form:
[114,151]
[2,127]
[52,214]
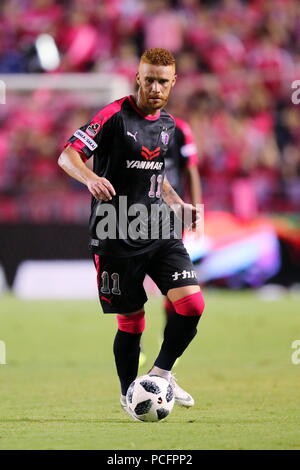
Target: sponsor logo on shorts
[184,275]
[90,143]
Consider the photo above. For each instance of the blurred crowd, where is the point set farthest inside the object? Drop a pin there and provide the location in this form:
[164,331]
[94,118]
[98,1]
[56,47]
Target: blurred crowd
[236,62]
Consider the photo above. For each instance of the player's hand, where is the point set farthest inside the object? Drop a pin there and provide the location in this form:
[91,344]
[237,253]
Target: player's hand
[190,215]
[101,188]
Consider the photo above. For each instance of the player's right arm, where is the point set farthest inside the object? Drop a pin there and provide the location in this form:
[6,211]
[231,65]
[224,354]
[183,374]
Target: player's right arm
[71,162]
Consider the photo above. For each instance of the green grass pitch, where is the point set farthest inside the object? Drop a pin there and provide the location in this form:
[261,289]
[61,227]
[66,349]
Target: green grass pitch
[58,389]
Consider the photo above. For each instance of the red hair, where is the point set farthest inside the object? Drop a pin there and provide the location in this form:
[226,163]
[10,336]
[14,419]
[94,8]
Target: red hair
[158,56]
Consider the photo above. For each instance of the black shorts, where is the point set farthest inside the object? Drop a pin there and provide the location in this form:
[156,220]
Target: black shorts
[120,280]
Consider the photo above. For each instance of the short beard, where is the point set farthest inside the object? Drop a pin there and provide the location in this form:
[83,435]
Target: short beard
[142,99]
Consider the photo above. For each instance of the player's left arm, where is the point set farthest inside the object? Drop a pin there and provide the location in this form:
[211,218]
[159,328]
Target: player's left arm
[194,184]
[190,160]
[169,194]
[173,200]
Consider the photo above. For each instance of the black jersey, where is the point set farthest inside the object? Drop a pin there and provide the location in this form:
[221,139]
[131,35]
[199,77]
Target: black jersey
[181,154]
[128,149]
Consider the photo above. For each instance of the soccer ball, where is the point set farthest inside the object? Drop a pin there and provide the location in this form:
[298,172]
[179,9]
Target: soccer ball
[150,398]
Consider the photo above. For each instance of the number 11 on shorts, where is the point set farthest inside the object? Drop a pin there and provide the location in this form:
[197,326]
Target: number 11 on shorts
[105,288]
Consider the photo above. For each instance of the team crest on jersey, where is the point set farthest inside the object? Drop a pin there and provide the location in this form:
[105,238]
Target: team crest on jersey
[93,129]
[165,137]
[149,154]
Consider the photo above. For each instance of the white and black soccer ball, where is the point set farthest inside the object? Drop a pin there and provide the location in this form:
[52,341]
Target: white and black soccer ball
[150,398]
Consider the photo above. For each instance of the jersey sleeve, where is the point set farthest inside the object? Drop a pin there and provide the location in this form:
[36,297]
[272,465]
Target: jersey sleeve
[87,138]
[188,151]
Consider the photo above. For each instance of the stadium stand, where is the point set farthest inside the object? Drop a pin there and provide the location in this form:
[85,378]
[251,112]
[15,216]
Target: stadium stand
[238,59]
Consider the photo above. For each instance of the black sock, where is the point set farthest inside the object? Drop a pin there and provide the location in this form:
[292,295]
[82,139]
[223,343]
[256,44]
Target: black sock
[127,352]
[179,332]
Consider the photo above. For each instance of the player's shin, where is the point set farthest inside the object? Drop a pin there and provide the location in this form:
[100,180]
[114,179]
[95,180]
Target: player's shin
[181,328]
[127,347]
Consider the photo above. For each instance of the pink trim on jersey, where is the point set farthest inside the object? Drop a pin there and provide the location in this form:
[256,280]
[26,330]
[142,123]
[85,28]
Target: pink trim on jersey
[101,118]
[78,146]
[188,140]
[134,105]
[107,112]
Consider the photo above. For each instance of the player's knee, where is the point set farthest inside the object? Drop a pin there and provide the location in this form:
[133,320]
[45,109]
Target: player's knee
[190,305]
[134,323]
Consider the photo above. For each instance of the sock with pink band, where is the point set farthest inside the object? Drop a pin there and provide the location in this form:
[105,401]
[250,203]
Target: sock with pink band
[127,347]
[181,328]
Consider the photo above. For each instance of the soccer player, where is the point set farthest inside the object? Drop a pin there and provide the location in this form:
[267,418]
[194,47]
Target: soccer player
[129,139]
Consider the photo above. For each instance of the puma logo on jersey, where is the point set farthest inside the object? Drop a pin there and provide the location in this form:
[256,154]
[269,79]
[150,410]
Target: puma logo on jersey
[132,135]
[143,165]
[149,154]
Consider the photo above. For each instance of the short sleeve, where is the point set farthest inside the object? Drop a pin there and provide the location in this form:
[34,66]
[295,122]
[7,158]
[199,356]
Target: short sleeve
[87,138]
